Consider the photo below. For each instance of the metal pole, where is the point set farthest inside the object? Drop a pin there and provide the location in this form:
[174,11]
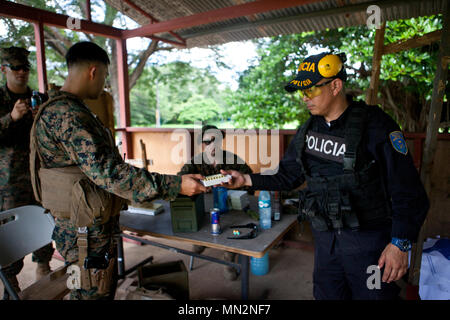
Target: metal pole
[245,280]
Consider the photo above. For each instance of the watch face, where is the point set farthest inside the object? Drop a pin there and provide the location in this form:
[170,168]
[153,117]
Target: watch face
[404,244]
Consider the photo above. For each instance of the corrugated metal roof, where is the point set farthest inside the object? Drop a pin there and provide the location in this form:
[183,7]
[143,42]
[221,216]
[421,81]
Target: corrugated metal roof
[315,16]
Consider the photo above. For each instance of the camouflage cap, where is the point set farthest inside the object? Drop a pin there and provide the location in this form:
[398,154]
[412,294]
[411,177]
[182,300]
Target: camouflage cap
[14,55]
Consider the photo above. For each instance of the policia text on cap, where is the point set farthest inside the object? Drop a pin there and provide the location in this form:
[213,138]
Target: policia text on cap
[363,196]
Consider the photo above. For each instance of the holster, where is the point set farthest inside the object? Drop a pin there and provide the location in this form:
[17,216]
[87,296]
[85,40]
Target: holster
[310,210]
[327,210]
[94,277]
[83,246]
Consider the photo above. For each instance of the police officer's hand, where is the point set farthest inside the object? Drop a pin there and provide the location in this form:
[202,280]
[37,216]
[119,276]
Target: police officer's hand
[395,263]
[190,184]
[238,179]
[34,111]
[21,107]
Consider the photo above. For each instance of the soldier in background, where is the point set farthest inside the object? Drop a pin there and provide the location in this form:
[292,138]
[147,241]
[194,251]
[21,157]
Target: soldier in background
[206,163]
[82,178]
[16,119]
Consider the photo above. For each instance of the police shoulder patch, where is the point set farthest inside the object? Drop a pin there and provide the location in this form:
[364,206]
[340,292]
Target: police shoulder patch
[398,142]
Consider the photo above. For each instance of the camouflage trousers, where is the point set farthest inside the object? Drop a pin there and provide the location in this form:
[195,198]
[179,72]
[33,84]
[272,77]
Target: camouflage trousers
[42,255]
[100,241]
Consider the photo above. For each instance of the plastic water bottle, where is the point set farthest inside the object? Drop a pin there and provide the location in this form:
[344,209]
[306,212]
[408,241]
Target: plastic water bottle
[259,266]
[265,210]
[36,100]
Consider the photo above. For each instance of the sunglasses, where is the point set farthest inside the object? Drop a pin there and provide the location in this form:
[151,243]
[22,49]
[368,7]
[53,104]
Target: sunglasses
[23,67]
[250,235]
[314,91]
[208,142]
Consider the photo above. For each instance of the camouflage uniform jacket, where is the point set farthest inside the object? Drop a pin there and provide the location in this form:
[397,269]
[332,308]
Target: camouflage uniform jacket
[69,134]
[14,149]
[198,165]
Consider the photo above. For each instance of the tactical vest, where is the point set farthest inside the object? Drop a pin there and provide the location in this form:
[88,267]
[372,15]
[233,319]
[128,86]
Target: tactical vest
[67,192]
[356,198]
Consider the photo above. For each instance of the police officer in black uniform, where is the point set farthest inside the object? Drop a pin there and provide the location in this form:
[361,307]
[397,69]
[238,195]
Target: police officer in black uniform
[363,195]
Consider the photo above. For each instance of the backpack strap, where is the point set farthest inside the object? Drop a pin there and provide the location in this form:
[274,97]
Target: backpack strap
[300,143]
[355,126]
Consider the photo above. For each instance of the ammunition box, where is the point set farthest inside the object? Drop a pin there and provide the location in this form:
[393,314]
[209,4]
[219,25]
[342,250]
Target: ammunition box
[187,213]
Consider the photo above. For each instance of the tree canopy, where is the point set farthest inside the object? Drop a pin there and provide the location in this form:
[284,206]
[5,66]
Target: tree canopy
[182,93]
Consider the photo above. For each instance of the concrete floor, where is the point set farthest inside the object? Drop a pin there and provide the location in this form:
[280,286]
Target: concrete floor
[289,277]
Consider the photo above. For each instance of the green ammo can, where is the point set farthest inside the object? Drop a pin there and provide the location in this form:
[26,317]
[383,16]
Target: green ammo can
[187,213]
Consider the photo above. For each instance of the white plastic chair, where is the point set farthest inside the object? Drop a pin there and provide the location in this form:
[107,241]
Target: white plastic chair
[29,230]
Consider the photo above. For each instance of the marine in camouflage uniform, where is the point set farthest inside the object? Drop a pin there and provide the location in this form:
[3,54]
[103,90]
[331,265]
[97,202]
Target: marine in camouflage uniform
[15,185]
[68,134]
[203,163]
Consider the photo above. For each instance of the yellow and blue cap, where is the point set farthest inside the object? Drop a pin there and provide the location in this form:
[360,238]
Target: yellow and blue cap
[317,67]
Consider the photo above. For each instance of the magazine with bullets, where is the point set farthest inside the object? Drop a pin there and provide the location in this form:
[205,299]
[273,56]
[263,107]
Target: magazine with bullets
[215,179]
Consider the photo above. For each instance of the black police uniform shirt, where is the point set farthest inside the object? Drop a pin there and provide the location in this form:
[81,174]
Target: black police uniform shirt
[323,154]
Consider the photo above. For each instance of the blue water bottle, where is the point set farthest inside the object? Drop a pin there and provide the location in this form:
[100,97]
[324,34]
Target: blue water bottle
[259,266]
[220,199]
[36,100]
[265,210]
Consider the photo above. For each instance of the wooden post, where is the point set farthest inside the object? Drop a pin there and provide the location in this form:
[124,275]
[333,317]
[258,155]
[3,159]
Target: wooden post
[371,97]
[40,55]
[434,118]
[144,155]
[124,95]
[88,10]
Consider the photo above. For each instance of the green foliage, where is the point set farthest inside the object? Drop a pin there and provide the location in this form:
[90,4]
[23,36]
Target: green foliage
[260,100]
[198,108]
[184,94]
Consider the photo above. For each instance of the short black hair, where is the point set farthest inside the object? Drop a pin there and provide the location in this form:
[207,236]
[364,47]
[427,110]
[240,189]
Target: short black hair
[86,51]
[207,127]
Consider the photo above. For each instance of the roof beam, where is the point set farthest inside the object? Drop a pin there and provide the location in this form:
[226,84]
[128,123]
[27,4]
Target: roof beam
[27,13]
[19,11]
[211,16]
[152,19]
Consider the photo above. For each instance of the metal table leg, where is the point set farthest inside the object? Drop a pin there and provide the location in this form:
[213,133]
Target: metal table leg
[191,263]
[245,283]
[120,258]
[9,289]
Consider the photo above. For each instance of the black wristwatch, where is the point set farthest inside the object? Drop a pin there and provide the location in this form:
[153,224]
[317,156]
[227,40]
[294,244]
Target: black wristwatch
[403,244]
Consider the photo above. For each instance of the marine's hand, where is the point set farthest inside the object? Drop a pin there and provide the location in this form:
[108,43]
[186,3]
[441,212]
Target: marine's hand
[21,107]
[395,263]
[238,179]
[190,184]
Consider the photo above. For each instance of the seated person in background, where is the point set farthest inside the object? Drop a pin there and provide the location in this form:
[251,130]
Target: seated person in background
[207,163]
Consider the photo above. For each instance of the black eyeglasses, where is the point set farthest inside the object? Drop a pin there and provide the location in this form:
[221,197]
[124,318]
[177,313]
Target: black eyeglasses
[208,142]
[23,67]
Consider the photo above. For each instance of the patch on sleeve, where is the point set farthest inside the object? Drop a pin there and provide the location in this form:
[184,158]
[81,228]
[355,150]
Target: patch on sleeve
[398,142]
